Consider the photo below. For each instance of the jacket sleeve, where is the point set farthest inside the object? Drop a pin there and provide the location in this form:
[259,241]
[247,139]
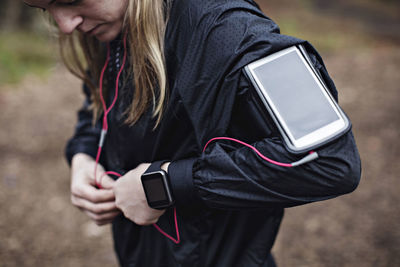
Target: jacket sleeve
[232,176]
[86,136]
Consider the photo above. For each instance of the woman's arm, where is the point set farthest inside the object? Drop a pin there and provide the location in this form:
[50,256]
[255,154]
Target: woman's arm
[231,176]
[86,136]
[98,204]
[216,97]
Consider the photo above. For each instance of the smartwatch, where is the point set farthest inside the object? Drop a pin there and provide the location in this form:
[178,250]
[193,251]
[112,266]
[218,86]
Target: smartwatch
[156,186]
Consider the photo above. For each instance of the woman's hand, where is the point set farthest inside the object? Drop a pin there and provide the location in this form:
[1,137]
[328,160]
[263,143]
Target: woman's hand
[98,204]
[131,200]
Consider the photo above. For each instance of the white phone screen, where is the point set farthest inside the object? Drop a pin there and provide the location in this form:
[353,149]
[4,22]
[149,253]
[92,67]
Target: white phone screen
[295,94]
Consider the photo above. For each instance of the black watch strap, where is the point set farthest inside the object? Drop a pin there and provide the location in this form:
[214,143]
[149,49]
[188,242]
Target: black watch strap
[155,166]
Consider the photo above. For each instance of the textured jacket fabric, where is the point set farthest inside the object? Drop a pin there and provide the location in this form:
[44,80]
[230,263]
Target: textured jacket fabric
[229,201]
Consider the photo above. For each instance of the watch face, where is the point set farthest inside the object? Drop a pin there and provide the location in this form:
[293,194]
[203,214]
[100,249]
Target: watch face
[155,185]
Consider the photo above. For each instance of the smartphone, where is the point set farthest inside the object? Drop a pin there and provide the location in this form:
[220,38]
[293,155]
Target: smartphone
[296,97]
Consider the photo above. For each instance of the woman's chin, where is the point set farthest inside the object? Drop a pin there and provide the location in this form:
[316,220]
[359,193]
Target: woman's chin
[106,36]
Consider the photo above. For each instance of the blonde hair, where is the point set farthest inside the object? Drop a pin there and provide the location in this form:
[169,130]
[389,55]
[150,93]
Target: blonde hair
[144,23]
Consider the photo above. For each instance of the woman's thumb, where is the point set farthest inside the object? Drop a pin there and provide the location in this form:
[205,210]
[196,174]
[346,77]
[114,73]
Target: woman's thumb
[106,182]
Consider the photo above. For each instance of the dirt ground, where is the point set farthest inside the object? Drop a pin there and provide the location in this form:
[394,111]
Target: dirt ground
[39,227]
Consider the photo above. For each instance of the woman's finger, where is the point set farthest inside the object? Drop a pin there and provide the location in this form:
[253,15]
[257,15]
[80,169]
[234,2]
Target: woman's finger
[92,194]
[103,218]
[106,182]
[97,208]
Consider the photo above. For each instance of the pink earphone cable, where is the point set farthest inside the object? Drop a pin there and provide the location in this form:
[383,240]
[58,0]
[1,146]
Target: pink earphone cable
[104,130]
[310,157]
[249,146]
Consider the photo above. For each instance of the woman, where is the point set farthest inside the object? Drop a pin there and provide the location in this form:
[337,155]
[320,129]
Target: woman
[171,75]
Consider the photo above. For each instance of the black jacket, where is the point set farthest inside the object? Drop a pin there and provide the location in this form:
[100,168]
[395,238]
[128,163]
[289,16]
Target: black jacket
[229,201]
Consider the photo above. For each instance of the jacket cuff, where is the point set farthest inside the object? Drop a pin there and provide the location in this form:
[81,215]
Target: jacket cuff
[181,178]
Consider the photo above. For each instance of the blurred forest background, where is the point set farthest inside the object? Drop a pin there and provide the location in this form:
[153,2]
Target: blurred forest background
[360,43]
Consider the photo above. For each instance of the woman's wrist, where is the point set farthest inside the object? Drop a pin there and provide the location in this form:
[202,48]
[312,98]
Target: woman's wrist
[79,159]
